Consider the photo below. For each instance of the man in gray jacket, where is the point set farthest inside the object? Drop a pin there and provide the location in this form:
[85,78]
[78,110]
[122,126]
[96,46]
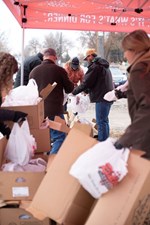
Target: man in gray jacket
[49,72]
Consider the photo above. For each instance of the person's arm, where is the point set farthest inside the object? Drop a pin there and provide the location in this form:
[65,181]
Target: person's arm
[119,94]
[67,83]
[5,130]
[137,132]
[121,90]
[88,81]
[11,115]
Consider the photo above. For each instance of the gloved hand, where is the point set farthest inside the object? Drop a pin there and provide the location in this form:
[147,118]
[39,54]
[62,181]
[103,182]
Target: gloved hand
[119,94]
[19,116]
[118,146]
[5,130]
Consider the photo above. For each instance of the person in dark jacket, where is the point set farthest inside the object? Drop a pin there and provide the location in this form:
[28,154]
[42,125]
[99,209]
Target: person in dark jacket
[136,46]
[97,82]
[8,66]
[29,63]
[49,72]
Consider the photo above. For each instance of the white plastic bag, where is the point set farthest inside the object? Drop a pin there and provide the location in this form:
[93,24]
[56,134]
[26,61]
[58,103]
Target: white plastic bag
[79,103]
[23,95]
[65,97]
[21,144]
[100,168]
[110,96]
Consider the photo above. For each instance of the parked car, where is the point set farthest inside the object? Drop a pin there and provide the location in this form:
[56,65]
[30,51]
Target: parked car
[118,76]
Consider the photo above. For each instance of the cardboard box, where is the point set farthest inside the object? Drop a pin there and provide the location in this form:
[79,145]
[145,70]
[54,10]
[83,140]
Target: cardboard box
[129,202]
[60,196]
[59,124]
[3,142]
[42,138]
[35,112]
[126,204]
[17,185]
[86,128]
[50,160]
[17,216]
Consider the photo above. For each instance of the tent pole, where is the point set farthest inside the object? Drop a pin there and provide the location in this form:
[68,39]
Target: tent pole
[22,58]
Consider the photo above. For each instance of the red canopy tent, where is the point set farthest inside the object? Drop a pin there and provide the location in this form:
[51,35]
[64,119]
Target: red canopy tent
[92,15]
[96,15]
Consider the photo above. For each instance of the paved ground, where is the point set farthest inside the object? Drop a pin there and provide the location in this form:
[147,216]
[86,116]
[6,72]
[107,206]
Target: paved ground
[119,118]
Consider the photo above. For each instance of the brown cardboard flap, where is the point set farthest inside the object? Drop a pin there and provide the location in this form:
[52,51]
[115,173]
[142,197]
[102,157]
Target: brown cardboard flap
[86,128]
[59,124]
[47,90]
[19,216]
[3,143]
[59,120]
[129,202]
[50,160]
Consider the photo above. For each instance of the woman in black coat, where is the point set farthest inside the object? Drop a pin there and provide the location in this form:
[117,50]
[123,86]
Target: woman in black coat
[8,66]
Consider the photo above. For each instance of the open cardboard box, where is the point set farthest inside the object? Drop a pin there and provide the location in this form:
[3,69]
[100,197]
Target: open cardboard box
[69,204]
[17,185]
[86,128]
[42,138]
[60,124]
[60,196]
[35,112]
[129,202]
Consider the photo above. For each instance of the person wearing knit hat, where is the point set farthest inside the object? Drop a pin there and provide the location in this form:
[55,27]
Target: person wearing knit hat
[74,70]
[97,82]
[75,74]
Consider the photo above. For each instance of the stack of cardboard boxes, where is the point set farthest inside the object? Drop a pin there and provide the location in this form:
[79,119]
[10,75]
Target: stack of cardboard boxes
[61,197]
[35,118]
[16,187]
[57,195]
[21,186]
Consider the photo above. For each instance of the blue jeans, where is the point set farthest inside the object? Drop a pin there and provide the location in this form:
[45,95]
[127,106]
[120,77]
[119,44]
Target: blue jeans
[102,111]
[57,137]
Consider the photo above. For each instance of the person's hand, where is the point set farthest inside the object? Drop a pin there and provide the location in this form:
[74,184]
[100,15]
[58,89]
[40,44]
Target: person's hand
[45,123]
[118,145]
[119,94]
[5,130]
[19,116]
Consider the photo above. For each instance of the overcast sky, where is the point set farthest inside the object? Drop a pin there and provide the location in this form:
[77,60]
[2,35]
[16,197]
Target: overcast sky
[10,26]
